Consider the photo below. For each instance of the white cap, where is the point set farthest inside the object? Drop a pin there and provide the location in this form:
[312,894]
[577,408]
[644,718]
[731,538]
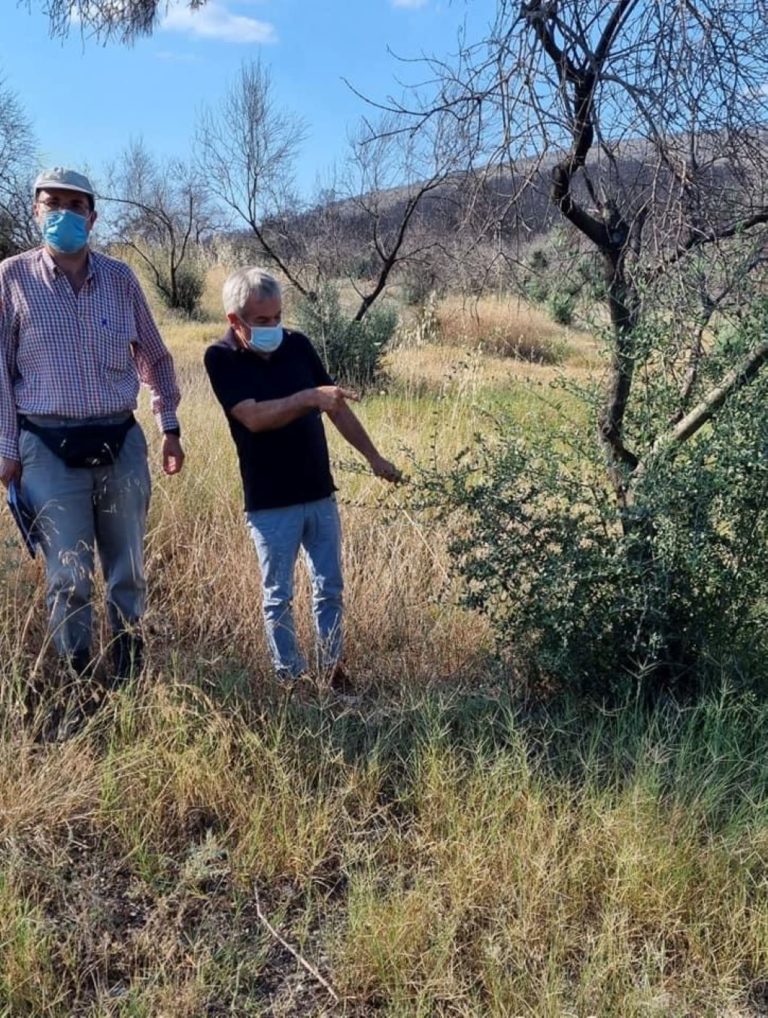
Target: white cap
[63,179]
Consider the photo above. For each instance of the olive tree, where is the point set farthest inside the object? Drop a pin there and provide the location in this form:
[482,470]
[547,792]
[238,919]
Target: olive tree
[649,122]
[393,188]
[644,125]
[363,226]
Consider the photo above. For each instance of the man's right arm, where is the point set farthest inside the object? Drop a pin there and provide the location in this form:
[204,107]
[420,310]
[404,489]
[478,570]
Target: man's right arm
[270,414]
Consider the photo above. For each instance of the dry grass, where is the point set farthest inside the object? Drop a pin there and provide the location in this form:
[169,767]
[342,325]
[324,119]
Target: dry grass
[434,857]
[433,852]
[506,327]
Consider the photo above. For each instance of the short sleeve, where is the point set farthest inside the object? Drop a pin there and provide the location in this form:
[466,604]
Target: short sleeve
[230,386]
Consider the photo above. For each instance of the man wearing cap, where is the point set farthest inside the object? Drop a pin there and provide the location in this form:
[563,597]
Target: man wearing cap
[76,340]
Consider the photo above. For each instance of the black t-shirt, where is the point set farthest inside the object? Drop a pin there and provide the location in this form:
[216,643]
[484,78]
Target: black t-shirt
[284,466]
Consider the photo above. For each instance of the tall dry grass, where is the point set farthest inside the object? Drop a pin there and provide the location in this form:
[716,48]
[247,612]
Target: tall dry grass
[509,327]
[434,851]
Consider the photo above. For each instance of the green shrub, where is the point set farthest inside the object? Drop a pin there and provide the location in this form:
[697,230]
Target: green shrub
[352,351]
[539,260]
[188,291]
[561,307]
[537,290]
[561,278]
[585,594]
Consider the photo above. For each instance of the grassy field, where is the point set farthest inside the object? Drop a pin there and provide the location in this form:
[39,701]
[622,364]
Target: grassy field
[208,847]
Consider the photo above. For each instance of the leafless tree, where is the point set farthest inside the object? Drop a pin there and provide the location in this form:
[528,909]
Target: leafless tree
[396,185]
[17,145]
[647,125]
[106,19]
[162,212]
[249,149]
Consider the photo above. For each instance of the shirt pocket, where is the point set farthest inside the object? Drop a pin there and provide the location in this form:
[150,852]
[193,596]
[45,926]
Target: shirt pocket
[115,341]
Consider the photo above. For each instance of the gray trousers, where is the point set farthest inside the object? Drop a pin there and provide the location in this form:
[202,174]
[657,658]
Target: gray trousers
[81,510]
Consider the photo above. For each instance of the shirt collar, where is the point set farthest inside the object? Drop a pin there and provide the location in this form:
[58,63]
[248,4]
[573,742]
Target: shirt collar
[53,269]
[230,340]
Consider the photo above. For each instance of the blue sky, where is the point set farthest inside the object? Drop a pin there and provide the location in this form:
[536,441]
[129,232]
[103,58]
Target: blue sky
[87,100]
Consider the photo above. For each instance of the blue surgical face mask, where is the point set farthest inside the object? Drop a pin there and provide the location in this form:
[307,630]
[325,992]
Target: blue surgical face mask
[266,338]
[65,231]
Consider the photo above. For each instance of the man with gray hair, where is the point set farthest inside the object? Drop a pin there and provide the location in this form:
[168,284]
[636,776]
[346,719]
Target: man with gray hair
[77,339]
[274,388]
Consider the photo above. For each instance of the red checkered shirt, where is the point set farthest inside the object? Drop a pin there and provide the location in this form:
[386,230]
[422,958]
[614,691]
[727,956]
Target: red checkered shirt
[77,355]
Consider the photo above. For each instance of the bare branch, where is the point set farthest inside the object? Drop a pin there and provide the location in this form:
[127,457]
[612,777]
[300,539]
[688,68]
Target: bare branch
[734,380]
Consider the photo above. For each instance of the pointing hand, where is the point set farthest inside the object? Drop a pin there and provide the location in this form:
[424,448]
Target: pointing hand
[331,398]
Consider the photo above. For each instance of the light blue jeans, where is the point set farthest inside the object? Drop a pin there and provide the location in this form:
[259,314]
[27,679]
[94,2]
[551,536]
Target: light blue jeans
[82,510]
[279,534]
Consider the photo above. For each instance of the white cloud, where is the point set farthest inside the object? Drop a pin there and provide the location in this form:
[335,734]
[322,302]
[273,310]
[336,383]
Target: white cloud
[86,12]
[412,4]
[214,21]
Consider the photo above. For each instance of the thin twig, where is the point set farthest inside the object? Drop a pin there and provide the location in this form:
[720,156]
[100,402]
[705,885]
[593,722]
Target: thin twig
[299,958]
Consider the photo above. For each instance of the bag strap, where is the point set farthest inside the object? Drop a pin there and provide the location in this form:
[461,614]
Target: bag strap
[121,428]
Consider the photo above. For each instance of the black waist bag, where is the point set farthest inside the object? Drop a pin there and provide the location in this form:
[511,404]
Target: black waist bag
[83,445]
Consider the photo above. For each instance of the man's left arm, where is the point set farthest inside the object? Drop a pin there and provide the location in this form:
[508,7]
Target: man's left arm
[155,367]
[351,429]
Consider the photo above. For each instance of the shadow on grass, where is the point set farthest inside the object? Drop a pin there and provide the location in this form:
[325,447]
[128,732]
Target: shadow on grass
[708,756]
